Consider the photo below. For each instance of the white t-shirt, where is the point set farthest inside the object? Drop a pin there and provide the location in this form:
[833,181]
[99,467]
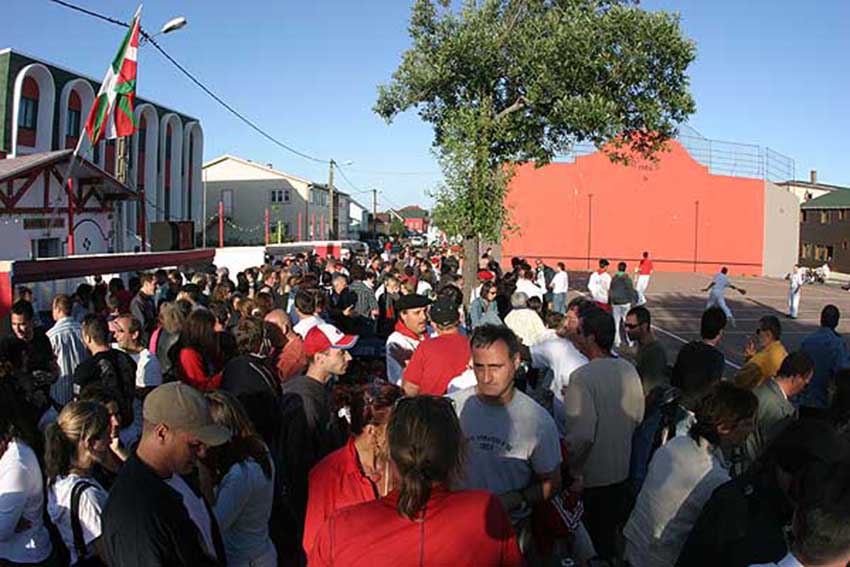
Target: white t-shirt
[21,497]
[598,286]
[529,288]
[560,282]
[787,561]
[796,281]
[721,282]
[465,380]
[395,369]
[507,445]
[559,357]
[197,511]
[303,326]
[92,501]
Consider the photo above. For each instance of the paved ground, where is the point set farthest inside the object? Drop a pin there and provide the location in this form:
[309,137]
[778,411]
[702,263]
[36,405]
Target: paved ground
[677,302]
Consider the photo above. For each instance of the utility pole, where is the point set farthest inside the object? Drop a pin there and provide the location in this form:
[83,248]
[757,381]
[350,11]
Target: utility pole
[374,228]
[331,231]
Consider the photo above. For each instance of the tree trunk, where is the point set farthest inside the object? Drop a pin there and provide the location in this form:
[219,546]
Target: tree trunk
[470,267]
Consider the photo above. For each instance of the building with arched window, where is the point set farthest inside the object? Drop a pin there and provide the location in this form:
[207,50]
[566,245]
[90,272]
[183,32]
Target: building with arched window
[43,108]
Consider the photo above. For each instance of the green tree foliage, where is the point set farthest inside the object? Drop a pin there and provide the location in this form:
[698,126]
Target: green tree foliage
[510,81]
[397,228]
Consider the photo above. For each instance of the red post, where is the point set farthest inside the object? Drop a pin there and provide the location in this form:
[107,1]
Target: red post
[299,226]
[221,224]
[267,226]
[70,217]
[143,220]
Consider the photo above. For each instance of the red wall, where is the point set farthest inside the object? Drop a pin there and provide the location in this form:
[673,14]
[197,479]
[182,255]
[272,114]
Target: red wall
[643,206]
[417,225]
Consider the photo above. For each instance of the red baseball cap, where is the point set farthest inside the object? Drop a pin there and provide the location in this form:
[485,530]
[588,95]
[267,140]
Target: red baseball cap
[485,275]
[324,336]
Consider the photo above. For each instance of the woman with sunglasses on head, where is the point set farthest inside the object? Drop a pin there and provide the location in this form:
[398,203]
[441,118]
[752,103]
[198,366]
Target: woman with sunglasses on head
[421,522]
[357,472]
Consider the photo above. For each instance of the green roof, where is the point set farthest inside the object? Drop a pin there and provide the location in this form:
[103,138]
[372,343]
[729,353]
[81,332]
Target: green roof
[838,199]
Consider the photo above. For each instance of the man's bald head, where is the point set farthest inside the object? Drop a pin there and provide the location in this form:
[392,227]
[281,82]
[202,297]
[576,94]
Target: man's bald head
[279,319]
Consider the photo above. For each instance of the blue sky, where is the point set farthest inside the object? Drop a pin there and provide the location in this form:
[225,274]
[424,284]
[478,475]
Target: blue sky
[773,73]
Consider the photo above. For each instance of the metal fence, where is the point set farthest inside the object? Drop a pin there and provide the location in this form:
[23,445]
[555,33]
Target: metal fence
[722,157]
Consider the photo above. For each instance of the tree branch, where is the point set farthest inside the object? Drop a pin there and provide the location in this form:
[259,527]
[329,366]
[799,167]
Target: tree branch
[518,104]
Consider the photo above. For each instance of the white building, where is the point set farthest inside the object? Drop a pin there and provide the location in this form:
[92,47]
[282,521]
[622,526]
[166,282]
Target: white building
[46,107]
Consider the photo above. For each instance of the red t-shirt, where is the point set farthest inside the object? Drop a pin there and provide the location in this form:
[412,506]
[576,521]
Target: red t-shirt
[436,362]
[467,528]
[645,267]
[335,482]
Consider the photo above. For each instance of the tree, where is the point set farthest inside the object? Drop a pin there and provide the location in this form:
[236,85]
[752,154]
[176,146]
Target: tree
[397,228]
[510,81]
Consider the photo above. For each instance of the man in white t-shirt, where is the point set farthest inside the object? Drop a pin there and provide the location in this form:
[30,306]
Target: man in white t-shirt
[411,328]
[599,284]
[717,293]
[560,285]
[526,285]
[513,445]
[305,309]
[127,330]
[795,279]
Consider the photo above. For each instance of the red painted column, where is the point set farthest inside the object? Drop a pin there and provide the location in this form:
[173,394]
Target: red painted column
[70,217]
[6,292]
[267,226]
[221,224]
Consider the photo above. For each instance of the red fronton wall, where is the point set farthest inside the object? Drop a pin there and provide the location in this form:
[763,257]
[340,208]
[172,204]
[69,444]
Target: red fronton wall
[643,206]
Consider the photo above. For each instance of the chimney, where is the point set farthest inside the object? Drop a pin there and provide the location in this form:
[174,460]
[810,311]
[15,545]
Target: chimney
[270,166]
[813,176]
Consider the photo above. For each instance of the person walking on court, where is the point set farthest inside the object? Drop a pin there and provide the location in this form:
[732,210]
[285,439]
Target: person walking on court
[598,285]
[717,293]
[795,279]
[644,271]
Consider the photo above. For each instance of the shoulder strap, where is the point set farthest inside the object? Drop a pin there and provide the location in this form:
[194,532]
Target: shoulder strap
[76,527]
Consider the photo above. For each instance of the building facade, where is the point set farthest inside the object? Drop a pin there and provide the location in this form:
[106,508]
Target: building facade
[415,218]
[298,209]
[808,190]
[825,231]
[43,108]
[687,217]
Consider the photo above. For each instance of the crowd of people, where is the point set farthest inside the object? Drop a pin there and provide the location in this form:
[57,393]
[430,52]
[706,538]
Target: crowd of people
[358,411]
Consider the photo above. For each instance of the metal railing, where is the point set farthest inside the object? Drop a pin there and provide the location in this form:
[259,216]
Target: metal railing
[721,157]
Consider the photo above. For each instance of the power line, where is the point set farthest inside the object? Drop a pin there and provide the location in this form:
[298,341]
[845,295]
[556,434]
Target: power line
[195,80]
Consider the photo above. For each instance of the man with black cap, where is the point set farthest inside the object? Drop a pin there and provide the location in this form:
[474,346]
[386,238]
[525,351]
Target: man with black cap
[153,517]
[410,331]
[436,362]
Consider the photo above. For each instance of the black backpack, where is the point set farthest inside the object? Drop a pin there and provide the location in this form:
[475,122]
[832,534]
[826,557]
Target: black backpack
[118,375]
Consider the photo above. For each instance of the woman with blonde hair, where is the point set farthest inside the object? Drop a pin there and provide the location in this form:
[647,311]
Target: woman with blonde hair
[73,444]
[243,474]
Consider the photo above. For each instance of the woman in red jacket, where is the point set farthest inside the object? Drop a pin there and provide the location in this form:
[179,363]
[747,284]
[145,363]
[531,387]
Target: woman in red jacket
[357,472]
[196,356]
[421,523]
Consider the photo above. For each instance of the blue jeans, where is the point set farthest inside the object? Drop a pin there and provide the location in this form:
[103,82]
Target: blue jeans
[559,302]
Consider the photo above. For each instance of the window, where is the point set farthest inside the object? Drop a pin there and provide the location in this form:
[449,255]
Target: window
[844,245]
[73,129]
[802,216]
[841,214]
[28,113]
[280,195]
[46,248]
[824,217]
[142,136]
[168,147]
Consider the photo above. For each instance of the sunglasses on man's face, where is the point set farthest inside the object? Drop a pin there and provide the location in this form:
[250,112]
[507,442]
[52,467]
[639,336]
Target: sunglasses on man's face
[631,325]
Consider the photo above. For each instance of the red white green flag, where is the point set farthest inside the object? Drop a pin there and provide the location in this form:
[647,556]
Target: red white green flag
[111,115]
